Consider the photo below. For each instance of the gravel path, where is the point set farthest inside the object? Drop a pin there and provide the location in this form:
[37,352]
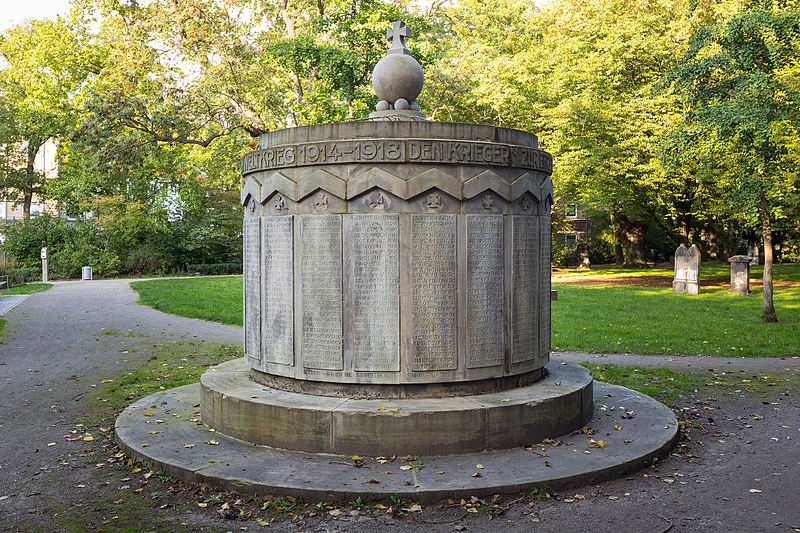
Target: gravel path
[739,471]
[693,363]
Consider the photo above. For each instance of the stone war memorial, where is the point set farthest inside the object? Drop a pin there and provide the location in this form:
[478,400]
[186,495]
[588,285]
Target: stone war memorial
[396,305]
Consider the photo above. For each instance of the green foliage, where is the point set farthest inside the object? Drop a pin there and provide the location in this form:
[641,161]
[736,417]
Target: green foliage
[215,269]
[738,82]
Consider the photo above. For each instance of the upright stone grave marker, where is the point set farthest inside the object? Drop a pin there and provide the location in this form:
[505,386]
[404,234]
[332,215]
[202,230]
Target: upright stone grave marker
[693,270]
[679,283]
[740,274]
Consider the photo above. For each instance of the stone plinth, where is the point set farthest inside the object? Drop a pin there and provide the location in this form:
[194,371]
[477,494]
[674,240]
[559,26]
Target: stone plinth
[380,254]
[740,274]
[237,406]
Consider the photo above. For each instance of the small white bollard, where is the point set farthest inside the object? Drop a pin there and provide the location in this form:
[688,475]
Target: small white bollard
[86,273]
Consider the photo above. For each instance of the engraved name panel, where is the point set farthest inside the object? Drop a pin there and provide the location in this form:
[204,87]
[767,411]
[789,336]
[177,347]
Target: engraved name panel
[252,277]
[278,290]
[321,271]
[484,290]
[434,289]
[524,288]
[376,299]
[544,298]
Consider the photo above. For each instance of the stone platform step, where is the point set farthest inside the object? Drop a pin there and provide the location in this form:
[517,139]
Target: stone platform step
[237,406]
[187,449]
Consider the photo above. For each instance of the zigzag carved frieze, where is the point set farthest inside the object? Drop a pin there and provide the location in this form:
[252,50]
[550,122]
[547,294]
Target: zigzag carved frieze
[487,180]
[426,151]
[306,183]
[377,177]
[300,183]
[251,188]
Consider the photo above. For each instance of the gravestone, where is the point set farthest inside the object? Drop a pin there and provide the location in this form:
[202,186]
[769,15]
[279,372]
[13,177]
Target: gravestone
[753,252]
[583,256]
[681,266]
[740,274]
[693,270]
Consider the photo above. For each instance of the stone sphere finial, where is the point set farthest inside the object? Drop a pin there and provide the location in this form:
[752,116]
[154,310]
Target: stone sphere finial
[397,78]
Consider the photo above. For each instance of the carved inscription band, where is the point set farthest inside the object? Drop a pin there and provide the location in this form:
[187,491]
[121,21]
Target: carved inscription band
[397,151]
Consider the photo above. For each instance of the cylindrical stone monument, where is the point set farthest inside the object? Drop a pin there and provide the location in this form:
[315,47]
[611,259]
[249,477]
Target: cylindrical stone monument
[398,259]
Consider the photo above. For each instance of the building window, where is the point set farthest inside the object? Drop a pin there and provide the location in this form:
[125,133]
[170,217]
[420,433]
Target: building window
[571,238]
[571,211]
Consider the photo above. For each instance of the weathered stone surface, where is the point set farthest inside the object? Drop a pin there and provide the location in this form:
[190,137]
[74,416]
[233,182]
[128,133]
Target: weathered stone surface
[277,296]
[321,291]
[406,266]
[524,284]
[681,265]
[545,248]
[434,286]
[375,293]
[258,470]
[485,301]
[740,274]
[252,290]
[234,405]
[693,270]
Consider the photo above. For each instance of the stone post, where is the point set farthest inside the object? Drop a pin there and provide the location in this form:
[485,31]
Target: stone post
[740,274]
[45,259]
[583,256]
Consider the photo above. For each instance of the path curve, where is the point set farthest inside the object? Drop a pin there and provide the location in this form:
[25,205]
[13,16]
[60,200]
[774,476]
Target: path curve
[693,363]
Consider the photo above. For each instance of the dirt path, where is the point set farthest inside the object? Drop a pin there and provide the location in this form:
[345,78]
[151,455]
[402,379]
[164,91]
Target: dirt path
[689,363]
[739,471]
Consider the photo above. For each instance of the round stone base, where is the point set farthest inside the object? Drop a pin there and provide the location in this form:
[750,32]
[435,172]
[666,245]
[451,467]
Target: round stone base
[235,405]
[371,391]
[174,441]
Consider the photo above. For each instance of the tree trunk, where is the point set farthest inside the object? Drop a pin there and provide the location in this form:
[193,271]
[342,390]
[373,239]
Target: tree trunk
[619,258]
[767,307]
[633,234]
[27,193]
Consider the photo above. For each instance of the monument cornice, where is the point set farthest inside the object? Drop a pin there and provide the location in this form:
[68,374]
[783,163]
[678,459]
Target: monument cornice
[415,150]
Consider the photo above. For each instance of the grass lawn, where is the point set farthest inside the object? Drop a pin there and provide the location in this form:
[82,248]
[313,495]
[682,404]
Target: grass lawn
[646,320]
[170,365]
[217,298]
[29,288]
[669,386]
[653,320]
[717,271]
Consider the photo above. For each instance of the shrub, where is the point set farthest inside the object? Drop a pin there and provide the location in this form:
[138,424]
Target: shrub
[215,269]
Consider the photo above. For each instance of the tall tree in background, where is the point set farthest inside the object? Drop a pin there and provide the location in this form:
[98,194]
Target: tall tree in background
[45,64]
[739,87]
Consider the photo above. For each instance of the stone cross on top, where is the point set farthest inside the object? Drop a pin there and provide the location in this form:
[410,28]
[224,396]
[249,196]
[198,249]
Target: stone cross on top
[398,35]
